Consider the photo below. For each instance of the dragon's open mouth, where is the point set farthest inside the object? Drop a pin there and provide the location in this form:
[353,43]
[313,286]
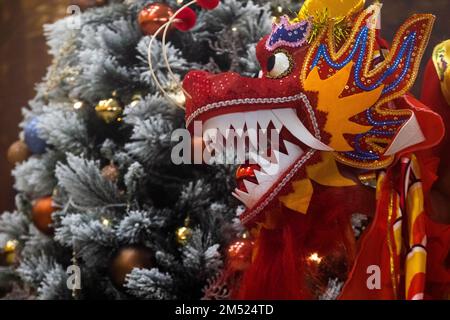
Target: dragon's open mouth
[265,171]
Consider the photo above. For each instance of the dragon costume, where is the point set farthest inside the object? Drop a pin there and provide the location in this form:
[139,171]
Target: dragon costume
[352,141]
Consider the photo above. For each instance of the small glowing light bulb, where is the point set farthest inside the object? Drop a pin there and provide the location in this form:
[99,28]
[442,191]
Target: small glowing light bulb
[314,257]
[78,105]
[106,222]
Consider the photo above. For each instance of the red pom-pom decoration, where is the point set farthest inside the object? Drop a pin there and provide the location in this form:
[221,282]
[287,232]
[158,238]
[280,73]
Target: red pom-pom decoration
[185,19]
[208,4]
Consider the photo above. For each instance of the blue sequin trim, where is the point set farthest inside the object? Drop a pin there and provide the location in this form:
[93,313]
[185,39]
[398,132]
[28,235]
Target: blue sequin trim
[405,52]
[381,123]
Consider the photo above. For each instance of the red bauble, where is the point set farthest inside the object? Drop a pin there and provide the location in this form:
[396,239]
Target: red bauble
[186,19]
[153,16]
[41,215]
[240,254]
[208,4]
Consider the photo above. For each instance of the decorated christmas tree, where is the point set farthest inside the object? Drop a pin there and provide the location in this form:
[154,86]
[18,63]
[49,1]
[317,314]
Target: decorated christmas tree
[96,185]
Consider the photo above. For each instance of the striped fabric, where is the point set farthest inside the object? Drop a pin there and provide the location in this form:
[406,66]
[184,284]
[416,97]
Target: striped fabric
[408,248]
[416,258]
[406,237]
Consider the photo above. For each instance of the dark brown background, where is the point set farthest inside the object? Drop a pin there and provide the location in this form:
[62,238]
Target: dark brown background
[23,59]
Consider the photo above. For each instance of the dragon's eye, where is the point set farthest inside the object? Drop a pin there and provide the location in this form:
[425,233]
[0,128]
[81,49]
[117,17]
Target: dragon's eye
[279,65]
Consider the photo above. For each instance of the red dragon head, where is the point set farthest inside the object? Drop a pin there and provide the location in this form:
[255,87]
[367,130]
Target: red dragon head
[331,99]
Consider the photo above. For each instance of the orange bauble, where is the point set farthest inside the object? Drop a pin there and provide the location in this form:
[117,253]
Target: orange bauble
[42,215]
[18,152]
[153,16]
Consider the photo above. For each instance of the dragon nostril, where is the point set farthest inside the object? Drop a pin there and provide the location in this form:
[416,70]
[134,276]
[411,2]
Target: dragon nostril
[271,63]
[257,75]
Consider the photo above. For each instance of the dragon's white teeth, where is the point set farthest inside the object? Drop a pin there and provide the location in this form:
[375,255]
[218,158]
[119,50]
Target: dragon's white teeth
[276,121]
[232,125]
[277,155]
[228,133]
[263,141]
[223,122]
[216,124]
[246,199]
[208,140]
[220,142]
[214,140]
[285,160]
[227,127]
[258,159]
[272,170]
[253,157]
[252,128]
[237,120]
[222,127]
[262,177]
[293,150]
[239,132]
[250,186]
[298,129]
[282,163]
[224,130]
[264,118]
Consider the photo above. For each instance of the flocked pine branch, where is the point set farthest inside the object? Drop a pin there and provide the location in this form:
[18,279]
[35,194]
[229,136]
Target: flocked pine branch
[87,187]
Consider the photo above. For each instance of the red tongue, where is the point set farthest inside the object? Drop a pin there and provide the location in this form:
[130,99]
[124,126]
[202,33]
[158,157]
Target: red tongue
[247,172]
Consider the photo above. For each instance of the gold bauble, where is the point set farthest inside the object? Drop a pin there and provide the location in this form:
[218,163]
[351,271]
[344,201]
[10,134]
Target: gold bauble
[8,253]
[135,100]
[109,110]
[183,235]
[18,152]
